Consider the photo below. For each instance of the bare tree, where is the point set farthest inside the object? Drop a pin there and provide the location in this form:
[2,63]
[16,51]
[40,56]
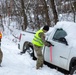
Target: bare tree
[73,8]
[24,16]
[46,12]
[54,11]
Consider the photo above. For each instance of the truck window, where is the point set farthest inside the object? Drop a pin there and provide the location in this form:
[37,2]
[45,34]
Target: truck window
[59,34]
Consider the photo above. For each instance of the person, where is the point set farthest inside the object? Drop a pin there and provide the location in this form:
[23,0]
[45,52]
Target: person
[0,36]
[1,53]
[38,43]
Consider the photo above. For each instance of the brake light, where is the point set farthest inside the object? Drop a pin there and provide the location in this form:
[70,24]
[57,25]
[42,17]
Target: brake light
[20,37]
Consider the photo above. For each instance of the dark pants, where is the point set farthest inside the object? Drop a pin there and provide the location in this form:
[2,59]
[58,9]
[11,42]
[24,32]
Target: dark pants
[1,53]
[1,56]
[0,40]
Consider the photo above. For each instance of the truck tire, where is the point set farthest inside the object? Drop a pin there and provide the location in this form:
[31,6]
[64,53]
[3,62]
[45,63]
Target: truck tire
[34,58]
[73,71]
[28,46]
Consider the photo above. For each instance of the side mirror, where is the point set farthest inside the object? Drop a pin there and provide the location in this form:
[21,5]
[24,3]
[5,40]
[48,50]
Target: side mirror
[63,40]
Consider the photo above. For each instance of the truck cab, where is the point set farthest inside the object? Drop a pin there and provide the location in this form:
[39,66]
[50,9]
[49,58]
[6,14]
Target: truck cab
[60,51]
[63,51]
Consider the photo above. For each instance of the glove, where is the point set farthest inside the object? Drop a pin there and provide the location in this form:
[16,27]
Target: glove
[49,44]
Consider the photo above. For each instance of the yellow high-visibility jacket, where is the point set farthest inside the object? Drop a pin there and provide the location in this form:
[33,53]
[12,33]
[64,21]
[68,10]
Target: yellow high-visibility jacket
[0,35]
[37,40]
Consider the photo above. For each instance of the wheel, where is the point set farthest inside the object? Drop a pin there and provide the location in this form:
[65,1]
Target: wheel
[73,71]
[24,48]
[28,46]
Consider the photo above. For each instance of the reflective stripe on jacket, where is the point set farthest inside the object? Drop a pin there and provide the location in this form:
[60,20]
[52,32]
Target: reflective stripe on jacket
[0,35]
[37,40]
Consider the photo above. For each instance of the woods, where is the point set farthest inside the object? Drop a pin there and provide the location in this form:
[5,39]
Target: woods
[37,13]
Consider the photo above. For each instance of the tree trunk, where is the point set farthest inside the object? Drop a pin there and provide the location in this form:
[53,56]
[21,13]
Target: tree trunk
[73,9]
[54,11]
[46,12]
[24,16]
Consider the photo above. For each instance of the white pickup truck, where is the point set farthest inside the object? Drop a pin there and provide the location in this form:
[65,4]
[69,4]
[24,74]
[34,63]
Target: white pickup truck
[63,53]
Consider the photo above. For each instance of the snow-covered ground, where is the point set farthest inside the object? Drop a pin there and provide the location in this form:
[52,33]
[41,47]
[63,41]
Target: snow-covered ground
[15,64]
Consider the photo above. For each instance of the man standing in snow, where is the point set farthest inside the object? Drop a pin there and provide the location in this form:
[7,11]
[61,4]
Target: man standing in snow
[1,54]
[38,43]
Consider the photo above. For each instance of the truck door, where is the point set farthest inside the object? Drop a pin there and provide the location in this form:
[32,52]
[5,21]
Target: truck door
[59,53]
